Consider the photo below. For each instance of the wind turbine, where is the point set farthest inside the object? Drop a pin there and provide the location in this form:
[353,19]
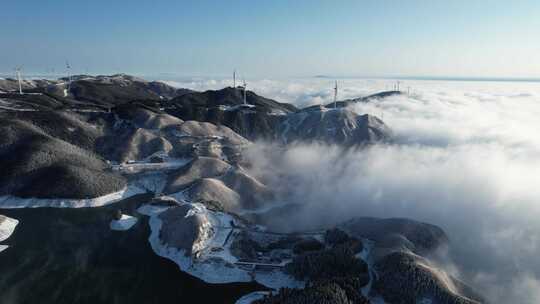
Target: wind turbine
[18,70]
[245,86]
[234,78]
[68,67]
[335,95]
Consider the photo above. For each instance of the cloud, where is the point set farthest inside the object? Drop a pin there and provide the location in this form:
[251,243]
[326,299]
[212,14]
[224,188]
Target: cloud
[466,158]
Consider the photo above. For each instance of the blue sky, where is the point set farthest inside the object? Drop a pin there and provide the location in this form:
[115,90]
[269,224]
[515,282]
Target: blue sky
[274,38]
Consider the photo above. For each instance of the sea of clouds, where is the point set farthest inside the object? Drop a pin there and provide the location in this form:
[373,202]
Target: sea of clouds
[466,157]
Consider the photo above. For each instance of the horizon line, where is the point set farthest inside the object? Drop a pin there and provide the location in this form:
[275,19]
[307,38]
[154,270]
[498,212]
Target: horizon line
[320,76]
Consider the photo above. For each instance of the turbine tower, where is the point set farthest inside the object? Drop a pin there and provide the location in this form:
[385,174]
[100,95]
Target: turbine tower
[68,67]
[234,78]
[18,70]
[335,95]
[245,86]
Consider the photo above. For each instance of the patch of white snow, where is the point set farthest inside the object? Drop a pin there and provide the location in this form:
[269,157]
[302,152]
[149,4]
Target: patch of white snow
[7,226]
[151,210]
[277,279]
[12,202]
[252,297]
[124,223]
[213,262]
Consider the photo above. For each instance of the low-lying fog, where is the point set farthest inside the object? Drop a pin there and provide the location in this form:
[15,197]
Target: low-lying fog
[466,158]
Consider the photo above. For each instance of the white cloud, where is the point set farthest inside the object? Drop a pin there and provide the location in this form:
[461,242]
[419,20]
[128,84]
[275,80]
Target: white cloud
[467,158]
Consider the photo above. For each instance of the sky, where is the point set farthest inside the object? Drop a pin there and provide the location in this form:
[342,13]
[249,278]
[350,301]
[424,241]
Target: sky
[475,38]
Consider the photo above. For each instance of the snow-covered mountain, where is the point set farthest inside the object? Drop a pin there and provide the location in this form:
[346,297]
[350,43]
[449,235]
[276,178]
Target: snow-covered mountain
[165,172]
[337,126]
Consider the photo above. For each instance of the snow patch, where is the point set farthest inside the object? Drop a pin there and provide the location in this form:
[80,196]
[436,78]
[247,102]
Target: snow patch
[136,167]
[211,270]
[277,279]
[251,297]
[153,181]
[365,256]
[124,223]
[7,226]
[212,260]
[366,250]
[277,113]
[181,196]
[150,210]
[237,107]
[12,202]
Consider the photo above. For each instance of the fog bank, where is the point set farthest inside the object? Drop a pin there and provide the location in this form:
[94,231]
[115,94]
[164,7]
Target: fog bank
[466,158]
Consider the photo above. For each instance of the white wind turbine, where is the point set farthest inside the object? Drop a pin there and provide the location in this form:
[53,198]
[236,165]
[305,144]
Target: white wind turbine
[335,95]
[18,71]
[68,86]
[245,87]
[68,67]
